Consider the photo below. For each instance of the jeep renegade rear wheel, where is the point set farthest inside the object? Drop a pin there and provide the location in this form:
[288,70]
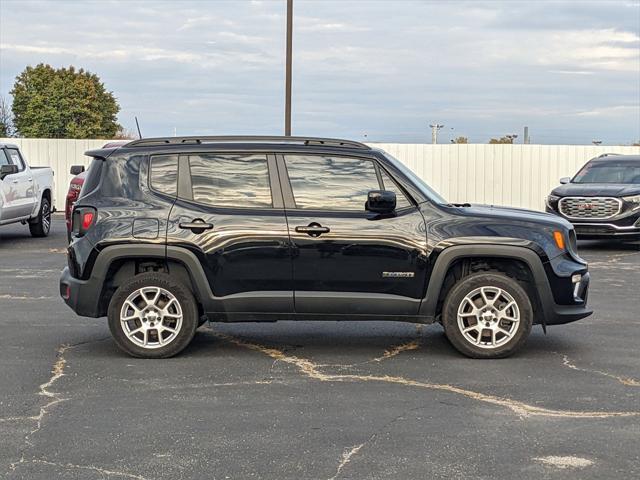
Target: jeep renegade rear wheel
[152,316]
[487,315]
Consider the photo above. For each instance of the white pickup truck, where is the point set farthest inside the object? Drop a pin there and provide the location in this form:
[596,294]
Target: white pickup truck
[26,193]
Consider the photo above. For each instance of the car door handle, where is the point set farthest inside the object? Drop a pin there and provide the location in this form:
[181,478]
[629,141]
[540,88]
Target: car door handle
[31,179]
[313,229]
[196,226]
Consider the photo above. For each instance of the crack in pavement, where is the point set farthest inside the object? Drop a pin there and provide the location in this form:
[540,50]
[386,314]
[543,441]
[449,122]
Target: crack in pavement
[349,453]
[312,370]
[565,462]
[388,353]
[393,351]
[44,390]
[346,458]
[23,297]
[628,381]
[57,371]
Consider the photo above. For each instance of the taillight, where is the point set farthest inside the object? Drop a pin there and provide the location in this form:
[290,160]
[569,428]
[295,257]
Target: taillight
[87,220]
[83,219]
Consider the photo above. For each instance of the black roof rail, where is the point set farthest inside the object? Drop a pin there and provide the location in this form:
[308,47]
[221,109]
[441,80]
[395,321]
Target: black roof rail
[198,140]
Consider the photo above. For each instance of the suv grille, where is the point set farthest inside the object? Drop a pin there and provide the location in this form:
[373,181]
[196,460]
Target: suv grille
[589,207]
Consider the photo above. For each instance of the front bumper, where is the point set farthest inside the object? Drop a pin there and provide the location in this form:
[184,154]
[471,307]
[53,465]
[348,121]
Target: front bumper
[591,231]
[83,296]
[560,314]
[626,226]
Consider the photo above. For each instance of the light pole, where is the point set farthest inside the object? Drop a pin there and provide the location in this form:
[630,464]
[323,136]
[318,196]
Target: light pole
[287,94]
[512,137]
[434,132]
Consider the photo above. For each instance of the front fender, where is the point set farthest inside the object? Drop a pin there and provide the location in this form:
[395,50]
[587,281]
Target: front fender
[522,250]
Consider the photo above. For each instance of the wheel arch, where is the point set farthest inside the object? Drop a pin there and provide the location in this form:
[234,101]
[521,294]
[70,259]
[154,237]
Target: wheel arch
[461,260]
[117,263]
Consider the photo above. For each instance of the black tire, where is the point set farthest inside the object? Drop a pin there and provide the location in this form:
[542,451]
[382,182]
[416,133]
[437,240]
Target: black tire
[41,225]
[504,344]
[184,334]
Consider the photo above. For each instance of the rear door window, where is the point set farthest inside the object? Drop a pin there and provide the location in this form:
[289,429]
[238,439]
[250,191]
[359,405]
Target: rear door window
[230,180]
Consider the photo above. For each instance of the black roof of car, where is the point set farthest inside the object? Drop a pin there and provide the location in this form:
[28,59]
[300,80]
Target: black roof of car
[617,157]
[233,141]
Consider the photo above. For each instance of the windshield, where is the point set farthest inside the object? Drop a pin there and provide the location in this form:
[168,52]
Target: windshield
[609,172]
[429,192]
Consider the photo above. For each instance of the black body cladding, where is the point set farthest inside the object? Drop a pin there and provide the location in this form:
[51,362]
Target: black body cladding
[272,229]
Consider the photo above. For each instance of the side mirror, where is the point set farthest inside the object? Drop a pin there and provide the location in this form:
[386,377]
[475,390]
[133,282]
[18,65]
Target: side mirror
[565,180]
[76,169]
[7,170]
[381,201]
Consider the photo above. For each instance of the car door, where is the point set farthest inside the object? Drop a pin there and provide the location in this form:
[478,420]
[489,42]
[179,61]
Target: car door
[230,212]
[6,192]
[347,260]
[21,185]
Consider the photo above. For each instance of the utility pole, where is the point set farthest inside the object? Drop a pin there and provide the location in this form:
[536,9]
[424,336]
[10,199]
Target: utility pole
[287,101]
[434,132]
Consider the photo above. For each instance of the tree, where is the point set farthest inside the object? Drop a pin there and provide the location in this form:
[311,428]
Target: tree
[460,140]
[63,103]
[501,140]
[6,118]
[124,134]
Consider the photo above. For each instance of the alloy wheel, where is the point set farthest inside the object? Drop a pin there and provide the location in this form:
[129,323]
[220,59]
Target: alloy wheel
[151,317]
[488,317]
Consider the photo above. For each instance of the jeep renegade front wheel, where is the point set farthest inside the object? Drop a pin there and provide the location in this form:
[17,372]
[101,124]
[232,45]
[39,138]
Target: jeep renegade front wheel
[487,315]
[152,316]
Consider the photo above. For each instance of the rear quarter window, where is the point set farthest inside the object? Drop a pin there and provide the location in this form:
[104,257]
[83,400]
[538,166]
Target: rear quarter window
[92,178]
[163,174]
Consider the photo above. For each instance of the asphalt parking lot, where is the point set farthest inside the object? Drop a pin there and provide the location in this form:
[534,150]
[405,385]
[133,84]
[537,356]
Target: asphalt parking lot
[323,400]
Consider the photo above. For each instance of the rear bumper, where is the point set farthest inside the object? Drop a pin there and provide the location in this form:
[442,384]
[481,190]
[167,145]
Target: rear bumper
[82,296]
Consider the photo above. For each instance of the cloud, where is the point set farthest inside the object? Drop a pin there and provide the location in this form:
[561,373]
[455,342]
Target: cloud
[386,68]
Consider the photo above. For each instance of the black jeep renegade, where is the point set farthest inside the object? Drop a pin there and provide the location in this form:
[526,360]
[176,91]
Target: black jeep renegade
[170,232]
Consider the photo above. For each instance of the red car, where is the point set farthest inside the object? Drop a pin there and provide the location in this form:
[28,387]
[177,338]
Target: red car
[76,185]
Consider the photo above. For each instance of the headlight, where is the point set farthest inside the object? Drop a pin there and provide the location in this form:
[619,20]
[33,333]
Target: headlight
[552,200]
[634,201]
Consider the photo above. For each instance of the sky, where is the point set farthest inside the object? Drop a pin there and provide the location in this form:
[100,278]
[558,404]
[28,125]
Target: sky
[362,69]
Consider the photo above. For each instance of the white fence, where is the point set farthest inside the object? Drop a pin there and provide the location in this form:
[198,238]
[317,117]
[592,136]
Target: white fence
[516,175]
